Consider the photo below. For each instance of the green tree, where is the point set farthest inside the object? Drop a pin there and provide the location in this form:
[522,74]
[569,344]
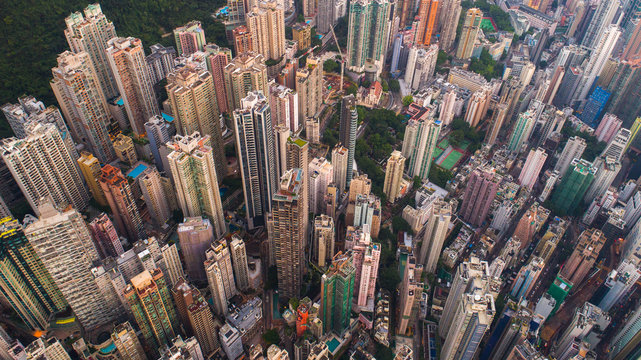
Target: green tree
[394,86]
[352,89]
[271,337]
[331,65]
[384,85]
[439,176]
[417,182]
[400,225]
[407,100]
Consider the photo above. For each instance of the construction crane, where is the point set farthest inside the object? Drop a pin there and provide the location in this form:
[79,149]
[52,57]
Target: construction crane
[341,54]
[307,52]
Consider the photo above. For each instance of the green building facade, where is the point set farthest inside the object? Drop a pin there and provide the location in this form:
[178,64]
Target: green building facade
[337,290]
[576,181]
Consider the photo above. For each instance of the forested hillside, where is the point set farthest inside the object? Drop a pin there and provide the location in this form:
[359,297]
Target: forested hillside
[31,35]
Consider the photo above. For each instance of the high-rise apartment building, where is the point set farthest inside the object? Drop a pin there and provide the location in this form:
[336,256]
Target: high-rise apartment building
[421,64]
[44,167]
[427,11]
[321,174]
[243,40]
[239,260]
[323,240]
[80,95]
[434,234]
[449,18]
[127,61]
[367,34]
[347,132]
[192,95]
[419,142]
[149,297]
[625,344]
[105,236]
[619,283]
[601,54]
[526,278]
[569,194]
[50,348]
[172,263]
[393,176]
[90,34]
[603,17]
[153,192]
[521,131]
[584,256]
[25,282]
[289,229]
[340,157]
[284,104]
[160,62]
[127,343]
[189,38]
[91,170]
[479,194]
[256,156]
[337,288]
[195,235]
[266,22]
[532,168]
[606,171]
[366,255]
[618,145]
[159,132]
[122,202]
[410,291]
[298,158]
[192,168]
[309,86]
[469,34]
[125,149]
[217,58]
[194,313]
[246,72]
[608,128]
[220,275]
[573,150]
[63,243]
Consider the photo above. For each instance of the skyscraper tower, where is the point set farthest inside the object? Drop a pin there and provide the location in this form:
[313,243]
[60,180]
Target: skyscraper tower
[63,243]
[602,51]
[606,171]
[625,344]
[340,156]
[24,280]
[410,291]
[532,168]
[246,72]
[159,132]
[220,275]
[153,192]
[618,145]
[479,194]
[256,156]
[584,256]
[521,131]
[323,240]
[122,202]
[266,22]
[289,229]
[79,93]
[192,95]
[434,234]
[105,236]
[419,142]
[217,59]
[526,278]
[367,34]
[427,12]
[570,192]
[309,86]
[472,319]
[127,60]
[90,34]
[573,150]
[91,170]
[127,343]
[337,288]
[189,38]
[195,235]
[239,259]
[471,26]
[603,17]
[44,167]
[192,168]
[196,316]
[449,18]
[347,132]
[393,175]
[150,300]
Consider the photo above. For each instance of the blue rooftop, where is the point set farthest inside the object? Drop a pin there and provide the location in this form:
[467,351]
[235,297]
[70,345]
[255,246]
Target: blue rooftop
[135,172]
[333,344]
[120,102]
